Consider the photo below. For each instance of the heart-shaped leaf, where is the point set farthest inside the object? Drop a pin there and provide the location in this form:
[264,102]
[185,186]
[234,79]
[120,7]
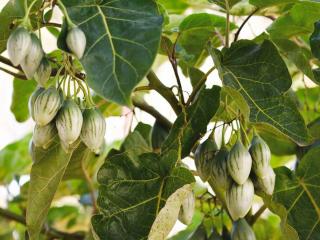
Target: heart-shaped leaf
[122,41]
[298,192]
[259,74]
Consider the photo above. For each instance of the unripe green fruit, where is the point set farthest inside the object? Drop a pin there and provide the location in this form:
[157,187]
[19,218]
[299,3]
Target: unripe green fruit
[261,155]
[76,41]
[219,171]
[204,156]
[46,106]
[69,122]
[44,135]
[33,58]
[18,45]
[241,230]
[267,182]
[187,209]
[43,72]
[32,100]
[93,129]
[239,163]
[239,199]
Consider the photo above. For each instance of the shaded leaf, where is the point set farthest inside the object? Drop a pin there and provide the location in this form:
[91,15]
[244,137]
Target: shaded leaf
[196,31]
[298,192]
[298,55]
[22,90]
[190,126]
[15,160]
[131,194]
[123,45]
[299,20]
[259,74]
[268,3]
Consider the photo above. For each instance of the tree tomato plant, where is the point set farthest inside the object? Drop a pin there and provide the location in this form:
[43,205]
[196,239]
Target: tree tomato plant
[259,117]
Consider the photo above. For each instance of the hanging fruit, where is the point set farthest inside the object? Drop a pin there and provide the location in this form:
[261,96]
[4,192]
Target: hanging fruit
[46,106]
[241,230]
[18,45]
[204,156]
[33,58]
[93,129]
[69,122]
[261,155]
[76,41]
[239,163]
[239,199]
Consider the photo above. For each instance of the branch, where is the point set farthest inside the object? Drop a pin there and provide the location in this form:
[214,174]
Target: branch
[243,24]
[6,61]
[17,75]
[46,230]
[199,85]
[165,92]
[256,216]
[152,111]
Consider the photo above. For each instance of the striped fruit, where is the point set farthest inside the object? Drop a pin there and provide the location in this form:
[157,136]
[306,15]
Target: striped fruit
[204,156]
[93,129]
[32,100]
[239,199]
[33,58]
[239,163]
[18,45]
[241,230]
[267,182]
[261,155]
[69,122]
[219,171]
[187,209]
[44,135]
[76,41]
[46,106]
[43,72]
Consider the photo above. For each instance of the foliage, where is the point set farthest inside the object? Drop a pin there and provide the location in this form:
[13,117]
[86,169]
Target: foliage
[134,188]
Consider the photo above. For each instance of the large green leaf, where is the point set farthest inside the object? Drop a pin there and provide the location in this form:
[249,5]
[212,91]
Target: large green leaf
[131,193]
[46,173]
[14,160]
[134,185]
[299,20]
[21,93]
[190,126]
[48,170]
[122,41]
[259,74]
[196,31]
[268,3]
[299,193]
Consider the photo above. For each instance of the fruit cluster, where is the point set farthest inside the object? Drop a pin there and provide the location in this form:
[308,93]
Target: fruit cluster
[238,172]
[53,112]
[25,49]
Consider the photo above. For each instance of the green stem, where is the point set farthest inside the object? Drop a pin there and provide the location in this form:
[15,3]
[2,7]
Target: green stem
[227,23]
[66,15]
[26,21]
